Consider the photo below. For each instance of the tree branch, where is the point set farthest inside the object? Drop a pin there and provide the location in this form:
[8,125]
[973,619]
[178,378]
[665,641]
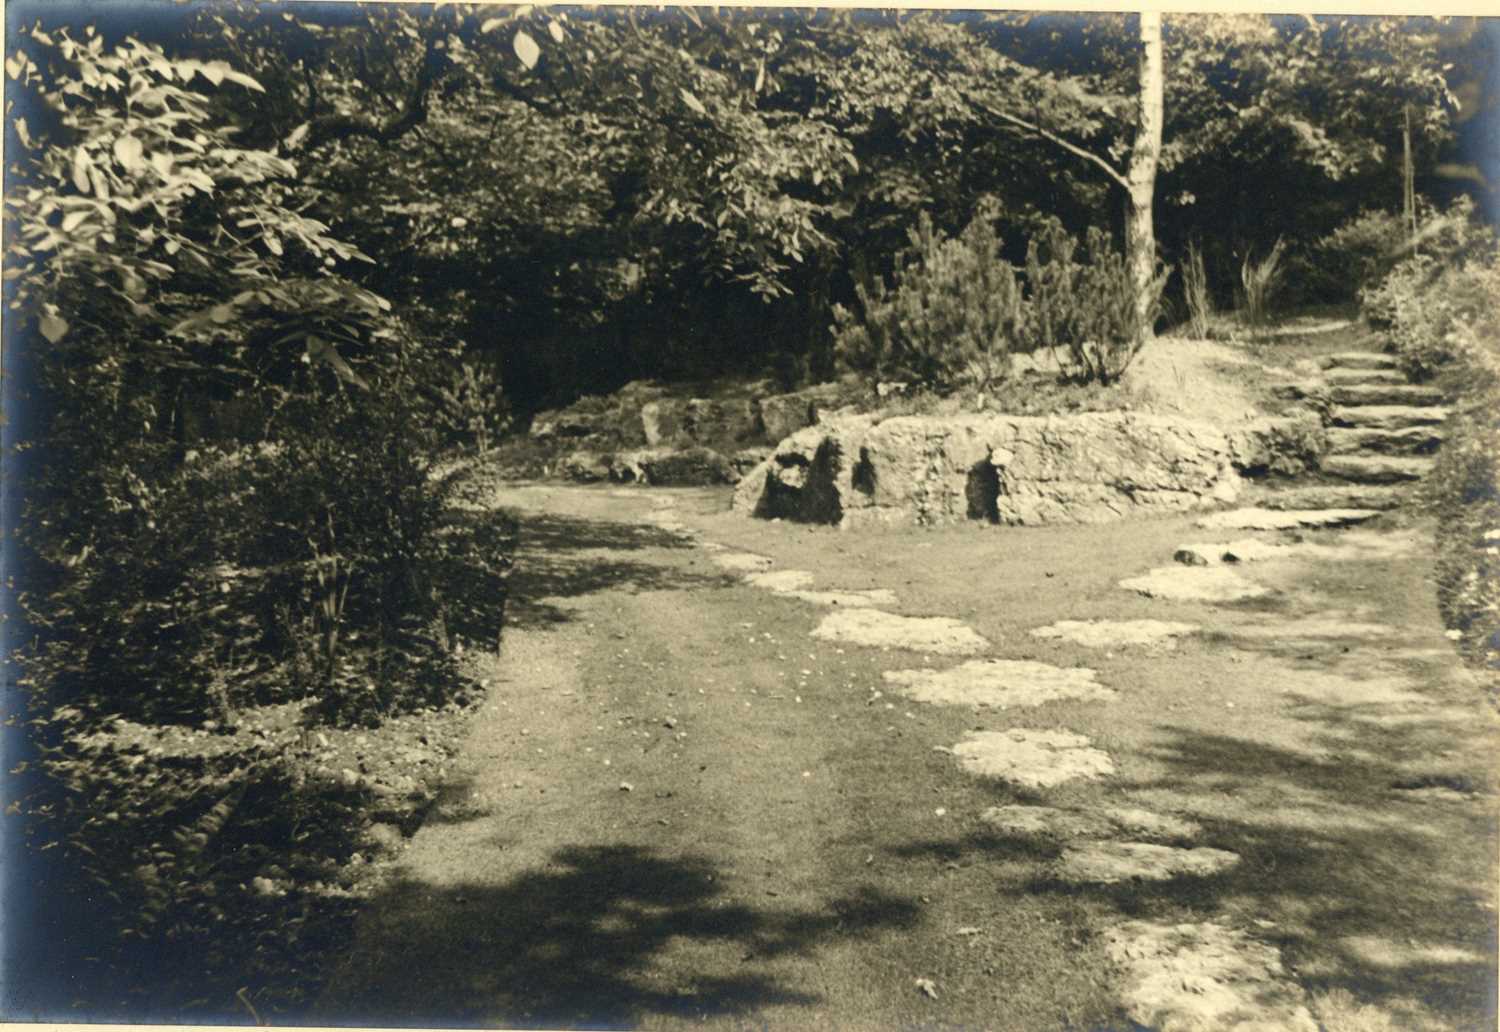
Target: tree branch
[413,112]
[1072,148]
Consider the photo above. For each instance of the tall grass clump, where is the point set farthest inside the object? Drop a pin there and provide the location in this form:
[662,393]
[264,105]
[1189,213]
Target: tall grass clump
[1259,281]
[1195,293]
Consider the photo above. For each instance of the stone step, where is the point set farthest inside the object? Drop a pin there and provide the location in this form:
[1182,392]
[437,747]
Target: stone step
[1412,440]
[1389,417]
[1285,519]
[1359,360]
[1376,469]
[1385,394]
[1364,376]
[1334,496]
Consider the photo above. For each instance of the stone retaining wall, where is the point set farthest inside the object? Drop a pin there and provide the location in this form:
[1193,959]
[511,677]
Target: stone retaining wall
[1087,468]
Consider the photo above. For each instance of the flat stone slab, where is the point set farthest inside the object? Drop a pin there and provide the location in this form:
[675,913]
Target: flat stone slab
[1376,469]
[1195,584]
[1359,360]
[1385,394]
[1348,375]
[798,584]
[1408,440]
[1285,519]
[1111,634]
[1109,863]
[1048,822]
[1000,683]
[1033,758]
[1334,496]
[781,580]
[1203,977]
[742,562]
[1389,417]
[1315,627]
[875,628]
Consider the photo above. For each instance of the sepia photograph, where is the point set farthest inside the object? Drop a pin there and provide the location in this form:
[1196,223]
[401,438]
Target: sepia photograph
[750,517]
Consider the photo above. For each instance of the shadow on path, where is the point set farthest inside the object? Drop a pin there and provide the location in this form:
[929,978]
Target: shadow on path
[572,944]
[562,557]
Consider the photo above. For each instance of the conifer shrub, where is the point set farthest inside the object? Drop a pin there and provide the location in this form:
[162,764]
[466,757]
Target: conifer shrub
[952,318]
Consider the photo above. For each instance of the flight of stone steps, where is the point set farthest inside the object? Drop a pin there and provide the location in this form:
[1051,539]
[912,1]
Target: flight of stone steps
[1382,433]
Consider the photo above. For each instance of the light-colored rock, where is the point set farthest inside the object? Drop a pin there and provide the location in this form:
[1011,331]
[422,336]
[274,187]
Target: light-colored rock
[1385,394]
[1285,519]
[1000,683]
[584,466]
[876,629]
[1364,376]
[1359,360]
[1285,445]
[781,580]
[1204,978]
[1389,417]
[854,599]
[1048,822]
[1314,627]
[798,584]
[1377,469]
[1111,634]
[1411,440]
[1351,544]
[1087,468]
[1245,550]
[1333,496]
[1033,758]
[742,562]
[1108,863]
[1195,584]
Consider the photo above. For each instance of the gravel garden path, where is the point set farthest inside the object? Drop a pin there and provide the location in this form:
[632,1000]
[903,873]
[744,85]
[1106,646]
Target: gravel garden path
[1214,771]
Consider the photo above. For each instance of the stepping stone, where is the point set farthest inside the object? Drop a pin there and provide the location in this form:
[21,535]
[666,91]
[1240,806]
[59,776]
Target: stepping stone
[1334,496]
[781,580]
[1110,634]
[1047,822]
[1294,630]
[1033,758]
[796,583]
[1339,375]
[875,629]
[1195,584]
[1389,417]
[1385,394]
[1411,440]
[1200,977]
[1359,360]
[742,562]
[1109,863]
[1000,683]
[1285,519]
[1375,469]
[872,597]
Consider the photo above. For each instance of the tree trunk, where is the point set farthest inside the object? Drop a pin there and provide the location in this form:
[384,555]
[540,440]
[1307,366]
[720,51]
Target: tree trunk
[1140,235]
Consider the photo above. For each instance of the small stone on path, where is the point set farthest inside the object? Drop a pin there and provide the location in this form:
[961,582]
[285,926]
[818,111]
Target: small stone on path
[1033,758]
[1201,977]
[875,628]
[1195,584]
[1109,634]
[1108,863]
[1285,519]
[1000,683]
